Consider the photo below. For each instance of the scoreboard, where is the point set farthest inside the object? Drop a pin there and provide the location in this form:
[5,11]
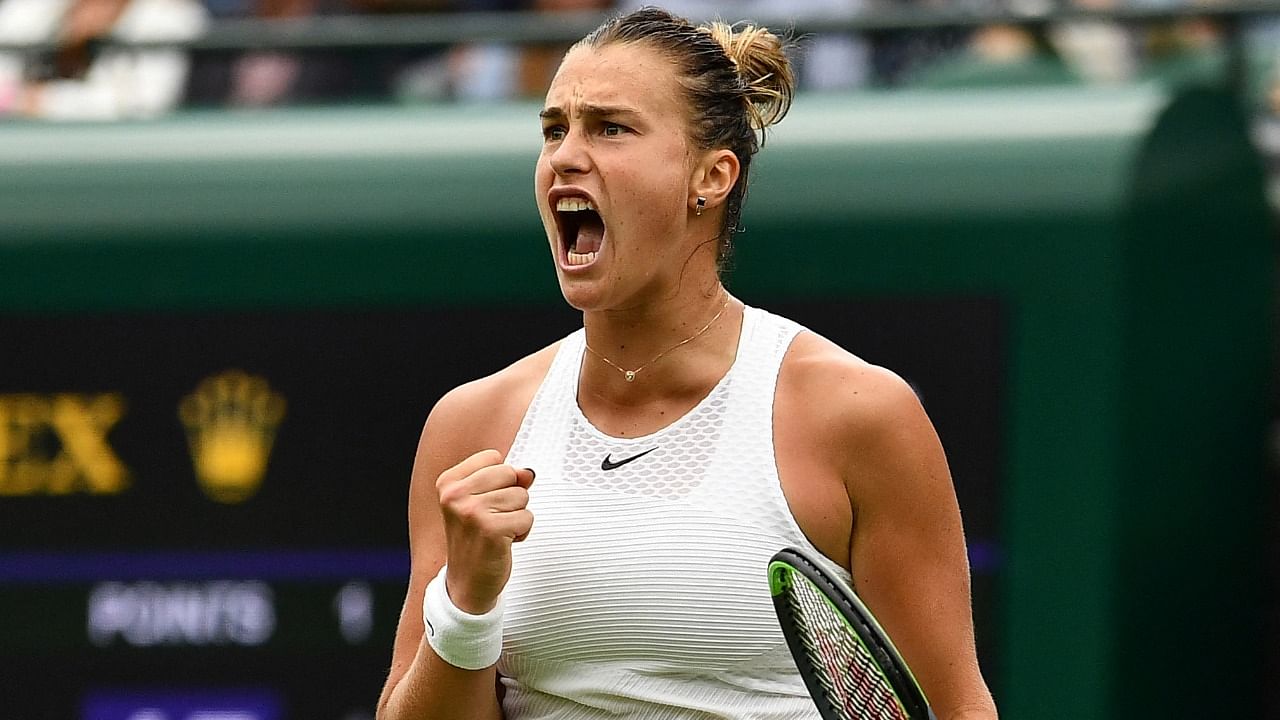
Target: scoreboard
[204,513]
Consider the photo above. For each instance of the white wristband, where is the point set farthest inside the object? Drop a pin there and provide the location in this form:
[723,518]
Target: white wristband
[470,642]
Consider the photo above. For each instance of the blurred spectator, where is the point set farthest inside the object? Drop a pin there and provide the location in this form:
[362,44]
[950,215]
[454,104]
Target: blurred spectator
[262,78]
[468,71]
[539,63]
[494,70]
[1187,51]
[1100,51]
[1262,43]
[265,77]
[81,79]
[830,61]
[898,55]
[998,55]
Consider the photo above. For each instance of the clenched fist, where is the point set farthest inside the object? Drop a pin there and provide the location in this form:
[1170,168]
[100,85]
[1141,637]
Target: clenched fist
[485,508]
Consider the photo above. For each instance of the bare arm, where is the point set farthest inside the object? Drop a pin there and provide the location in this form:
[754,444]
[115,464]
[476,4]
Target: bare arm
[83,21]
[907,548]
[462,505]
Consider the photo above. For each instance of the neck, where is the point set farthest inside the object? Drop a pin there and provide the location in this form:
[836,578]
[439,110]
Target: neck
[667,348]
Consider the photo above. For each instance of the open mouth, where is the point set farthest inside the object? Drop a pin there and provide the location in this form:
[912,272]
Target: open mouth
[581,230]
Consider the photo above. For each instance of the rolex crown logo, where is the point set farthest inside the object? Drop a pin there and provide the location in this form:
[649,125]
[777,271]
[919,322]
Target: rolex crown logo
[231,422]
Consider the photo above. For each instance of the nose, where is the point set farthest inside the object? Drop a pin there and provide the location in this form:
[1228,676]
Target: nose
[572,155]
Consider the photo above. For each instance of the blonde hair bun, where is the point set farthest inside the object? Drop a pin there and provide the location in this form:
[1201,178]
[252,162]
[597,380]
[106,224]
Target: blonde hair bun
[762,63]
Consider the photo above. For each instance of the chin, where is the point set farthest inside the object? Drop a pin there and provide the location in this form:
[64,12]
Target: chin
[577,296]
[587,294]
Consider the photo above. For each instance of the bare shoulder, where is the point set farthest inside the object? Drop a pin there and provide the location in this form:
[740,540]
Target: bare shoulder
[865,420]
[847,434]
[845,393]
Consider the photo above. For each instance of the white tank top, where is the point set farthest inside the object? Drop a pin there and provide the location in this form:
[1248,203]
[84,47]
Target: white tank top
[641,592]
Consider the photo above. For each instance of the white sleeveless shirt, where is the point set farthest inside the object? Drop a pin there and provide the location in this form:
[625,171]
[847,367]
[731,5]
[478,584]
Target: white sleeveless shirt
[641,592]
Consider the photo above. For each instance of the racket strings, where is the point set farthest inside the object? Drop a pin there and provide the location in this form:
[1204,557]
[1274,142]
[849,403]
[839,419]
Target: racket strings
[853,682]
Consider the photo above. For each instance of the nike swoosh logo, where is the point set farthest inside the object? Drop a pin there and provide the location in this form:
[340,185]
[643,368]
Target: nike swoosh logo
[609,464]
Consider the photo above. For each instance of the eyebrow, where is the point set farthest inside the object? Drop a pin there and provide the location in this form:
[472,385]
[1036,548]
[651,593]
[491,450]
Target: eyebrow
[590,111]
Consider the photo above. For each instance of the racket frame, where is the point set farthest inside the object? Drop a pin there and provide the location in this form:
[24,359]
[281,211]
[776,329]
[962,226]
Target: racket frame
[787,563]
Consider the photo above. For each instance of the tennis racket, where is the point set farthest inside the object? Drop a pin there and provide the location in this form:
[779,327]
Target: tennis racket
[852,670]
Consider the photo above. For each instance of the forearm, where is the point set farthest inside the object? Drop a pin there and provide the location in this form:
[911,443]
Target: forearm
[432,689]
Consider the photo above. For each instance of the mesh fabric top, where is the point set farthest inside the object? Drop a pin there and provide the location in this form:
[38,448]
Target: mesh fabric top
[642,590]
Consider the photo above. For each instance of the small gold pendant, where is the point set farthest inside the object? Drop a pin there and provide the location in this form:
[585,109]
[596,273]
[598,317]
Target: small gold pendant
[629,375]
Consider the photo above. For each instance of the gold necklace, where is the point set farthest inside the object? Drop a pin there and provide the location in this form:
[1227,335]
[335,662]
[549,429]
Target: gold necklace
[630,375]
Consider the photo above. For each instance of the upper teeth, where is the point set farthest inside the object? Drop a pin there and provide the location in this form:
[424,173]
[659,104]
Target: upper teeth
[573,204]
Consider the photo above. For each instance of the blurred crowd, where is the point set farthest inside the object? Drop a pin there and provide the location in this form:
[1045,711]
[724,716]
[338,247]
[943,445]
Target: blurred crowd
[72,74]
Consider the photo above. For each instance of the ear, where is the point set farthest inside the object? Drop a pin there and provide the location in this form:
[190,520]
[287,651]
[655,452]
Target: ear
[713,178]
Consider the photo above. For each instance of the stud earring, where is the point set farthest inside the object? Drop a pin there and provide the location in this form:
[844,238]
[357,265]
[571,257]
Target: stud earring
[701,205]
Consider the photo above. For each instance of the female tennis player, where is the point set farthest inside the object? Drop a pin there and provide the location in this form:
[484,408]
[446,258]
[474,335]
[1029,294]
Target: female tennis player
[678,440]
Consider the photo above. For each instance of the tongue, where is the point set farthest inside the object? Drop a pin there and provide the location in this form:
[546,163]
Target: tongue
[590,235]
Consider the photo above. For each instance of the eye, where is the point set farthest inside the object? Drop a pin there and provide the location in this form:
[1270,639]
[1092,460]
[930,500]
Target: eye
[553,132]
[613,130]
